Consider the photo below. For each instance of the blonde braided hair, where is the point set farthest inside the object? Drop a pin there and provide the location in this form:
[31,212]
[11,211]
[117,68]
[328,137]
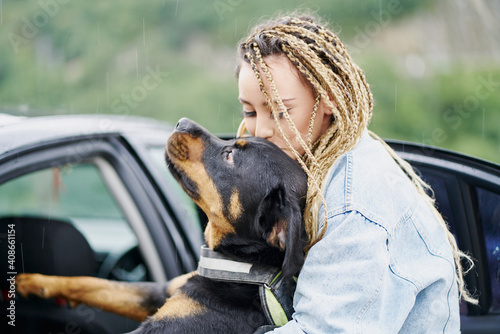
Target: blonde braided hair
[323,61]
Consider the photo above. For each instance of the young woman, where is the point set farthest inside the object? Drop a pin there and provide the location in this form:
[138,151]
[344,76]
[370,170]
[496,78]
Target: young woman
[380,257]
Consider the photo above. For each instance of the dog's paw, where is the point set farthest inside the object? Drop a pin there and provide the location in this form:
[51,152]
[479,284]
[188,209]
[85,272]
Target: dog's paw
[34,284]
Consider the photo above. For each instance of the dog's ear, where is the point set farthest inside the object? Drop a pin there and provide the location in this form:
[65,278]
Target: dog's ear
[280,218]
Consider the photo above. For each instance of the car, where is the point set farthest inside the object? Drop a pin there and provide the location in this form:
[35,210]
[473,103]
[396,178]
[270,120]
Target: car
[91,195]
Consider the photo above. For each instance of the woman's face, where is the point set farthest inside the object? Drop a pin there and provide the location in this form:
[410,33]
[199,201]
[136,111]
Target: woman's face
[297,96]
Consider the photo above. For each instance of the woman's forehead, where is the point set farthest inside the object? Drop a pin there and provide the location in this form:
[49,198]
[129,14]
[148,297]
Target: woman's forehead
[285,75]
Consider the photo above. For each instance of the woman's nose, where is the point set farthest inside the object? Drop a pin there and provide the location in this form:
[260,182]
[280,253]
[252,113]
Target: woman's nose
[264,127]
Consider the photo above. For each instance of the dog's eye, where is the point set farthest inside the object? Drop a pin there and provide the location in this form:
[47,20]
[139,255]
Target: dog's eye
[228,155]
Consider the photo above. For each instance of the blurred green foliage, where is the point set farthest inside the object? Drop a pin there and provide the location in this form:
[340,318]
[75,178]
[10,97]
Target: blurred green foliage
[171,59]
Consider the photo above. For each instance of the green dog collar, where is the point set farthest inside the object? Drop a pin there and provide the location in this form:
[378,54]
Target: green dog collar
[271,305]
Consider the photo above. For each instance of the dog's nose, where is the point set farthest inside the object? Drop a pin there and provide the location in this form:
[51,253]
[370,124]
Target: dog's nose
[185,125]
[182,124]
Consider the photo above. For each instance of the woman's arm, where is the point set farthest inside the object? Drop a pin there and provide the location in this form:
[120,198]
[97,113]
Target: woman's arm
[343,275]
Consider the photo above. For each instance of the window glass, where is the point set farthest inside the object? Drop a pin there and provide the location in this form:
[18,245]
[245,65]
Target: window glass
[75,192]
[440,193]
[489,216]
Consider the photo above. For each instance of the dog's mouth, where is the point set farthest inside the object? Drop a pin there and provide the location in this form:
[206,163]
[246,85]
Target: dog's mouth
[177,147]
[186,183]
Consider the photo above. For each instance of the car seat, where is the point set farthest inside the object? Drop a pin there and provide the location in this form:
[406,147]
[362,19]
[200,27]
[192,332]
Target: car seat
[51,247]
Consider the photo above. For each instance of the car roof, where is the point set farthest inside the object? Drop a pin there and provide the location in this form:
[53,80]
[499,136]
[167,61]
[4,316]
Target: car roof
[17,132]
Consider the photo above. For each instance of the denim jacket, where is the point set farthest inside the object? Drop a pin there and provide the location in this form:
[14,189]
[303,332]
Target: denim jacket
[384,264]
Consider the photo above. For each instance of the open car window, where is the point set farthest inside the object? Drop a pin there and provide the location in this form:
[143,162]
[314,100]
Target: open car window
[76,192]
[81,194]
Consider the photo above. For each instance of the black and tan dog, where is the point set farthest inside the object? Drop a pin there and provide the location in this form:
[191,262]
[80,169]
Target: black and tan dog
[253,195]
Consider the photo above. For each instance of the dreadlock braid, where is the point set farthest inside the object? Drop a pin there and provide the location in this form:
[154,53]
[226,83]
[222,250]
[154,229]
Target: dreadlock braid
[321,58]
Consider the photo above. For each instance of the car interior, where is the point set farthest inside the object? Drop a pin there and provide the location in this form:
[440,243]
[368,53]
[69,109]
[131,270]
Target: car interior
[69,221]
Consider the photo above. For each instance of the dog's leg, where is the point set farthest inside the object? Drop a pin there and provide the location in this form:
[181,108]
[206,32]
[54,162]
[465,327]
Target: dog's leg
[133,300]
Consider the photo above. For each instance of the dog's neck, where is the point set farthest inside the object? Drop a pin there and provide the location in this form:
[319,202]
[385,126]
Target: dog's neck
[255,252]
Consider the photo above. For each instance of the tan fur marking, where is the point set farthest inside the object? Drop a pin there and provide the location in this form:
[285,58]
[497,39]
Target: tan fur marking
[178,306]
[235,207]
[210,200]
[211,203]
[241,143]
[178,282]
[214,232]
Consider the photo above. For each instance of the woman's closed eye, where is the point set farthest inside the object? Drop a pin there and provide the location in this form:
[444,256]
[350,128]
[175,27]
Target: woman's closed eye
[247,114]
[280,114]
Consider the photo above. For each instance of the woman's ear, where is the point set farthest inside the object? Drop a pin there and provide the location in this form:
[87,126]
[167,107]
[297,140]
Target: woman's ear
[328,111]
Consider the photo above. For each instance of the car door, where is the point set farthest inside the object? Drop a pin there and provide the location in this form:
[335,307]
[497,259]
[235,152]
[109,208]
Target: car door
[95,185]
[467,192]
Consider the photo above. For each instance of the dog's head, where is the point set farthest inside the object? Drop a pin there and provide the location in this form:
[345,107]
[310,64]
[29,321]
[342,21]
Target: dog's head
[251,191]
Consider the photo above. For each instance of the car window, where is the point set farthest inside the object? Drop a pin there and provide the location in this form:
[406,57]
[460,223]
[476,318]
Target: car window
[76,192]
[440,193]
[489,216]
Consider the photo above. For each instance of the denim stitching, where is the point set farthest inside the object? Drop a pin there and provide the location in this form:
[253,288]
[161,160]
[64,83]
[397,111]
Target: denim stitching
[348,181]
[370,216]
[359,210]
[365,308]
[394,268]
[406,216]
[449,307]
[435,253]
[423,235]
